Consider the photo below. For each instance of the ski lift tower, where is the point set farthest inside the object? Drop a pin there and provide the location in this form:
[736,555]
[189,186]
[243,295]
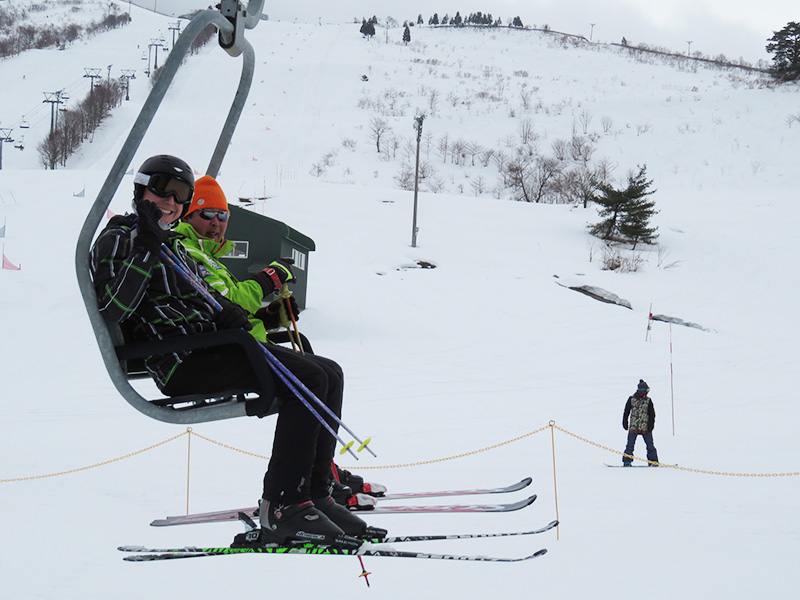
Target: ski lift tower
[5,136]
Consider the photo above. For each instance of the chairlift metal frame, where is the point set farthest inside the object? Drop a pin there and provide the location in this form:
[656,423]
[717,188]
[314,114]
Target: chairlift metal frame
[231,20]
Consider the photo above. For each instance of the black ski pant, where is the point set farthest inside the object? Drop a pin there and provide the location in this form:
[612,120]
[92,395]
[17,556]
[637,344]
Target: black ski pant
[302,450]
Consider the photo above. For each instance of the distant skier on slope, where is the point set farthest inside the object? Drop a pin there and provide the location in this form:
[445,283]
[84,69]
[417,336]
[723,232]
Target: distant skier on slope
[642,413]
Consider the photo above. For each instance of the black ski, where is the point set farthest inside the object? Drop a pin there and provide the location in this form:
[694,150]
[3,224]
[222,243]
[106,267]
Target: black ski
[193,552]
[388,540]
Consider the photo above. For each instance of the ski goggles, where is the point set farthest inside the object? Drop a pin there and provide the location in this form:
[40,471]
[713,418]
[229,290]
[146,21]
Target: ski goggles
[208,214]
[165,186]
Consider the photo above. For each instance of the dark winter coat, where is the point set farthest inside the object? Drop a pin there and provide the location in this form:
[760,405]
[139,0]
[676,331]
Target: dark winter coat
[149,300]
[642,413]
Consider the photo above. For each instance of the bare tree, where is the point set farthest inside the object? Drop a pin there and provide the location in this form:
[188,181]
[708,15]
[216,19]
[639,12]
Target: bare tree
[516,176]
[544,171]
[50,150]
[433,100]
[560,150]
[526,132]
[581,149]
[478,185]
[458,152]
[585,118]
[473,149]
[500,159]
[378,128]
[444,147]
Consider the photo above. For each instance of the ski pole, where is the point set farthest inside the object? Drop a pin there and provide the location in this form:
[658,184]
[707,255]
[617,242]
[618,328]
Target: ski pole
[302,386]
[284,374]
[294,324]
[290,380]
[287,308]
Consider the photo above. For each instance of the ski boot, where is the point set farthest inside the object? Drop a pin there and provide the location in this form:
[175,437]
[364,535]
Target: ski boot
[350,524]
[294,524]
[357,483]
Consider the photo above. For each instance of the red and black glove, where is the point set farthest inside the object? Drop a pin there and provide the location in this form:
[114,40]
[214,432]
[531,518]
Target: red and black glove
[275,275]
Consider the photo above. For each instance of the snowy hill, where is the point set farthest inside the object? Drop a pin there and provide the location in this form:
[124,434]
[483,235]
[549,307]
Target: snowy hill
[488,346]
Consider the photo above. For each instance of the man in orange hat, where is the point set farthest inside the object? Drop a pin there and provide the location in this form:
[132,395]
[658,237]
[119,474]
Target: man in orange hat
[203,229]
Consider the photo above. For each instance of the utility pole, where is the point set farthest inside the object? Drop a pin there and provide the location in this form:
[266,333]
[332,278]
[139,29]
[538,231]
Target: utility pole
[418,126]
[689,51]
[173,27]
[127,75]
[93,74]
[591,32]
[109,74]
[54,98]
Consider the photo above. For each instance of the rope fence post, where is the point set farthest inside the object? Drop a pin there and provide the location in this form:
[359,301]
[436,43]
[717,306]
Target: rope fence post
[188,464]
[671,383]
[555,483]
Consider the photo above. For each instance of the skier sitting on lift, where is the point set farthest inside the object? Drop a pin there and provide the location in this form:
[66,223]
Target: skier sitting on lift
[137,289]
[203,229]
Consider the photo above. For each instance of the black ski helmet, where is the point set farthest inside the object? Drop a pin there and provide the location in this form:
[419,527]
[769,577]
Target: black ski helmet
[163,164]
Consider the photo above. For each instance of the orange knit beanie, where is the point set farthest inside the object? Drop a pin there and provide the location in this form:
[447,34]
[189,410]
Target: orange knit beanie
[207,194]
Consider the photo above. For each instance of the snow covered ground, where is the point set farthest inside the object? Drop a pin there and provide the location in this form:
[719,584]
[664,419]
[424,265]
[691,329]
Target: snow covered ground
[484,348]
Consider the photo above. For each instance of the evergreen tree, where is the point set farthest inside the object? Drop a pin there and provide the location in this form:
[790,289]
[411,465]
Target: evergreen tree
[626,213]
[419,19]
[406,35]
[517,22]
[785,45]
[367,29]
[457,20]
[434,19]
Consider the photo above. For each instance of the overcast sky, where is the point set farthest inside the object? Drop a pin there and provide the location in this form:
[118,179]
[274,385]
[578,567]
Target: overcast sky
[736,28]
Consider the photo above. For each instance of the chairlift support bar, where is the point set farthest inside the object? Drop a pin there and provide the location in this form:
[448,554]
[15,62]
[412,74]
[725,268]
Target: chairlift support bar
[230,20]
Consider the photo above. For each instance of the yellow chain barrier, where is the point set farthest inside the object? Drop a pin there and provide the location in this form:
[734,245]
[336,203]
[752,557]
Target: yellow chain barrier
[227,447]
[551,424]
[470,453]
[102,464]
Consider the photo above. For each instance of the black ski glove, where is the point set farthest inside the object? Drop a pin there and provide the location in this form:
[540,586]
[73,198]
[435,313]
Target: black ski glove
[232,316]
[275,275]
[270,314]
[150,235]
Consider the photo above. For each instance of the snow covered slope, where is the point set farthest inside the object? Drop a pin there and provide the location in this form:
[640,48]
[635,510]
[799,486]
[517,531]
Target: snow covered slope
[482,349]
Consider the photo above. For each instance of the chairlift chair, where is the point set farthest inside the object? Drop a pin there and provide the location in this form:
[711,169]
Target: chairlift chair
[123,358]
[24,124]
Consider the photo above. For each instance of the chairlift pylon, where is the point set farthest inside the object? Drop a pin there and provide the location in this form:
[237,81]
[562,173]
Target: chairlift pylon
[231,19]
